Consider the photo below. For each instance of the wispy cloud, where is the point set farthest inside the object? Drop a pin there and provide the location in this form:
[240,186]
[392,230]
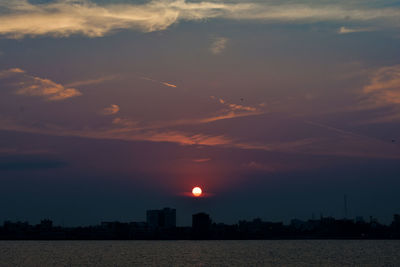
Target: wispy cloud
[10,72]
[392,116]
[384,85]
[230,111]
[237,107]
[270,167]
[347,30]
[163,83]
[345,145]
[124,131]
[201,160]
[224,116]
[125,122]
[28,85]
[187,139]
[66,17]
[169,84]
[111,110]
[334,129]
[382,92]
[92,81]
[218,45]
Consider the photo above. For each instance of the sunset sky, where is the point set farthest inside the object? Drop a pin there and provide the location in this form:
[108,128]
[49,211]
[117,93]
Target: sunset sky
[276,109]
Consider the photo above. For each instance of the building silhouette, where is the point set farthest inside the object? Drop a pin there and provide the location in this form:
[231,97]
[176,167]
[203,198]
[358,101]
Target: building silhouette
[201,223]
[161,225]
[396,222]
[165,218]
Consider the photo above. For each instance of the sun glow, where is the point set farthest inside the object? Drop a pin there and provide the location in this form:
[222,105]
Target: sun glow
[196,191]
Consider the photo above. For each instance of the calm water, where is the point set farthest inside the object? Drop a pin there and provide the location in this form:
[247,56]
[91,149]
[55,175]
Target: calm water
[199,253]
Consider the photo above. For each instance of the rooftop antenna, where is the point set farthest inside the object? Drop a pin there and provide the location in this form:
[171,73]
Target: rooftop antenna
[345,206]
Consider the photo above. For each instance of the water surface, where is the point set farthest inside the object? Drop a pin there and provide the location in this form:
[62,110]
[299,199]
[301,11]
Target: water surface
[200,253]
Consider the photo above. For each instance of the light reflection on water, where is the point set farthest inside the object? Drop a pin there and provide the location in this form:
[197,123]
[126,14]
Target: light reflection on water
[200,253]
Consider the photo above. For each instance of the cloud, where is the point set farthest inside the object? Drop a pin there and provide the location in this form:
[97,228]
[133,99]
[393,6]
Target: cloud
[384,85]
[66,17]
[185,138]
[346,30]
[163,83]
[259,166]
[111,110]
[382,94]
[169,84]
[288,146]
[225,116]
[237,107]
[390,117]
[341,145]
[201,160]
[10,72]
[218,45]
[231,111]
[129,131]
[334,129]
[47,89]
[241,107]
[28,85]
[124,122]
[92,81]
[267,167]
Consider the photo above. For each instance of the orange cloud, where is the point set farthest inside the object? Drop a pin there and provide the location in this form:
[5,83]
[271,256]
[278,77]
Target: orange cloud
[92,81]
[348,146]
[47,89]
[226,116]
[241,107]
[383,90]
[237,107]
[124,122]
[163,83]
[232,111]
[384,85]
[169,84]
[201,160]
[28,85]
[10,72]
[184,138]
[111,110]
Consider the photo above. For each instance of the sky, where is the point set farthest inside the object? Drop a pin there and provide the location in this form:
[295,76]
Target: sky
[276,109]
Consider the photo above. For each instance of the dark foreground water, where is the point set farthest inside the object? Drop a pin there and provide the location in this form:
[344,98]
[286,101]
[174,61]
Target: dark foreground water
[200,253]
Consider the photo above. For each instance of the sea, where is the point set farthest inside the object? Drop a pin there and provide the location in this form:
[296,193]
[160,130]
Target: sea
[201,253]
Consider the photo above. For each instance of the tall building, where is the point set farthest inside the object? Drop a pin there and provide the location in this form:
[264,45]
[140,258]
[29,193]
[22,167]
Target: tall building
[396,218]
[165,218]
[169,217]
[201,222]
[396,221]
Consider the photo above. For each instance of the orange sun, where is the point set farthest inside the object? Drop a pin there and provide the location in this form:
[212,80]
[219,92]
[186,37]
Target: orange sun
[196,191]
